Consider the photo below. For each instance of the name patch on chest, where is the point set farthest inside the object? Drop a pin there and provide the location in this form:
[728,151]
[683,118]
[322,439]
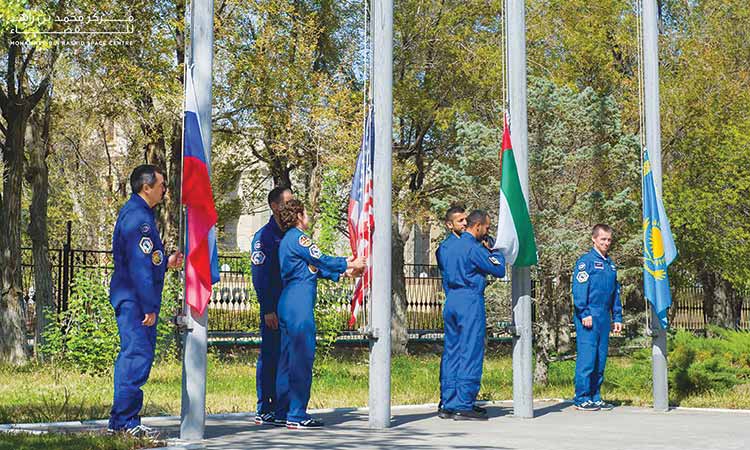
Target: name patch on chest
[598,265]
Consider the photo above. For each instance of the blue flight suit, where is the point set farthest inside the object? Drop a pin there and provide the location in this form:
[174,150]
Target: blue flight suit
[442,249]
[465,264]
[596,293]
[135,290]
[302,263]
[267,283]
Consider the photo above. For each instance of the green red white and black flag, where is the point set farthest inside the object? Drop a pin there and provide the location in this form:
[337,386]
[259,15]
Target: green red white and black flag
[515,235]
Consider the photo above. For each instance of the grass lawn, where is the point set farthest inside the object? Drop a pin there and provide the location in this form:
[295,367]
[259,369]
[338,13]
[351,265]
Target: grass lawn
[35,393]
[78,441]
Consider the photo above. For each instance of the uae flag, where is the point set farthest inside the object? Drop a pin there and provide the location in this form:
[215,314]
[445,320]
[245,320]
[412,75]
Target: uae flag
[515,236]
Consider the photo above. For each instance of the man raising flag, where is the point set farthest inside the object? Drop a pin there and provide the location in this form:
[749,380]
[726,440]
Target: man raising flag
[515,235]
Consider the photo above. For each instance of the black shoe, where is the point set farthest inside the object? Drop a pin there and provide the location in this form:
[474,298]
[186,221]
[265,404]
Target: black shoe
[469,415]
[265,419]
[445,413]
[479,409]
[604,406]
[587,406]
[304,424]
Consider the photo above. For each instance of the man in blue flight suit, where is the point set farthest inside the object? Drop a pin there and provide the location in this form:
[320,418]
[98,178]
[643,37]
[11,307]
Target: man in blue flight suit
[455,223]
[267,283]
[596,296]
[135,294]
[466,263]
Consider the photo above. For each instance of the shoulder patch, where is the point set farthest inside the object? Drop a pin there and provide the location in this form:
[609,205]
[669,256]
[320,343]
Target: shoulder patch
[258,245]
[304,241]
[157,257]
[258,258]
[315,251]
[582,277]
[146,245]
[312,268]
[613,267]
[582,266]
[598,265]
[494,261]
[145,229]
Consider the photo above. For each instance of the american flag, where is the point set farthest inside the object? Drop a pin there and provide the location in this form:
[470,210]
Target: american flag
[361,220]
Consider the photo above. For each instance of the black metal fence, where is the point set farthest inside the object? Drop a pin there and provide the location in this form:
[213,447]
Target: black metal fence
[234,307]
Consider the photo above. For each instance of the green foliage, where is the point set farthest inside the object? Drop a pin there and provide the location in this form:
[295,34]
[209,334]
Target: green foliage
[699,364]
[330,315]
[85,336]
[329,220]
[75,441]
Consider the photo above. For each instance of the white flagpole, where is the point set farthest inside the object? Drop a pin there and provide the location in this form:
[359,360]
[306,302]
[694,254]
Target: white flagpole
[193,411]
[653,144]
[380,347]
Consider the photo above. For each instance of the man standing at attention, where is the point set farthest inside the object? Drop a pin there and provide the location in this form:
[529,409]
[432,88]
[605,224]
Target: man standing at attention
[455,223]
[267,284]
[135,294]
[596,296]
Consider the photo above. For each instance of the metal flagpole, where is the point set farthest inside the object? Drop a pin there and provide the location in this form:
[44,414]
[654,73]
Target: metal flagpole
[380,342]
[193,411]
[523,404]
[653,143]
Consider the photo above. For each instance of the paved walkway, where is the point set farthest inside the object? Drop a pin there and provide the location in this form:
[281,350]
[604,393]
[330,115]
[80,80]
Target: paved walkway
[555,426]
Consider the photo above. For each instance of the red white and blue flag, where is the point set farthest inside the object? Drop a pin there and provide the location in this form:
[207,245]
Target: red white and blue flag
[202,257]
[360,217]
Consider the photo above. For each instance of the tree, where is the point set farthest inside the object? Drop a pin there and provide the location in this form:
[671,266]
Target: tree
[22,90]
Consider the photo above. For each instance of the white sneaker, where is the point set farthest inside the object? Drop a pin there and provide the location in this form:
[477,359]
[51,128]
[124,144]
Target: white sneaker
[143,431]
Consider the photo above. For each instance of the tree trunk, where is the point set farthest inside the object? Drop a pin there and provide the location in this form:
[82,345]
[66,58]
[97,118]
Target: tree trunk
[399,321]
[12,320]
[721,304]
[544,341]
[175,157]
[38,177]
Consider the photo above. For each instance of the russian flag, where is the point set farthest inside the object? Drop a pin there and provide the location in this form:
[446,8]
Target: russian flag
[202,256]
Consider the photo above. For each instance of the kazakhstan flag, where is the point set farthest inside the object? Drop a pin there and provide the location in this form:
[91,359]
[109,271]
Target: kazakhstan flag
[658,246]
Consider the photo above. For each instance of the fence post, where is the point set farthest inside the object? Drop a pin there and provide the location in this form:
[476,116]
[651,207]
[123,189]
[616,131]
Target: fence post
[66,265]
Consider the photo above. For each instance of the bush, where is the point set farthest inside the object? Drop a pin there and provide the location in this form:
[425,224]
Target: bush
[86,337]
[700,364]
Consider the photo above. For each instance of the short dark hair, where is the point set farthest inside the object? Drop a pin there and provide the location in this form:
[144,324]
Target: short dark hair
[600,227]
[455,209]
[144,174]
[276,193]
[475,217]
[288,213]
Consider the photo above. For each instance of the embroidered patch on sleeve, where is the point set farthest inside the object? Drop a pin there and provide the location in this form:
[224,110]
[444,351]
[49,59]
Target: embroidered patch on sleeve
[146,245]
[305,241]
[258,258]
[315,252]
[494,261]
[258,245]
[582,277]
[157,257]
[582,266]
[145,229]
[312,268]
